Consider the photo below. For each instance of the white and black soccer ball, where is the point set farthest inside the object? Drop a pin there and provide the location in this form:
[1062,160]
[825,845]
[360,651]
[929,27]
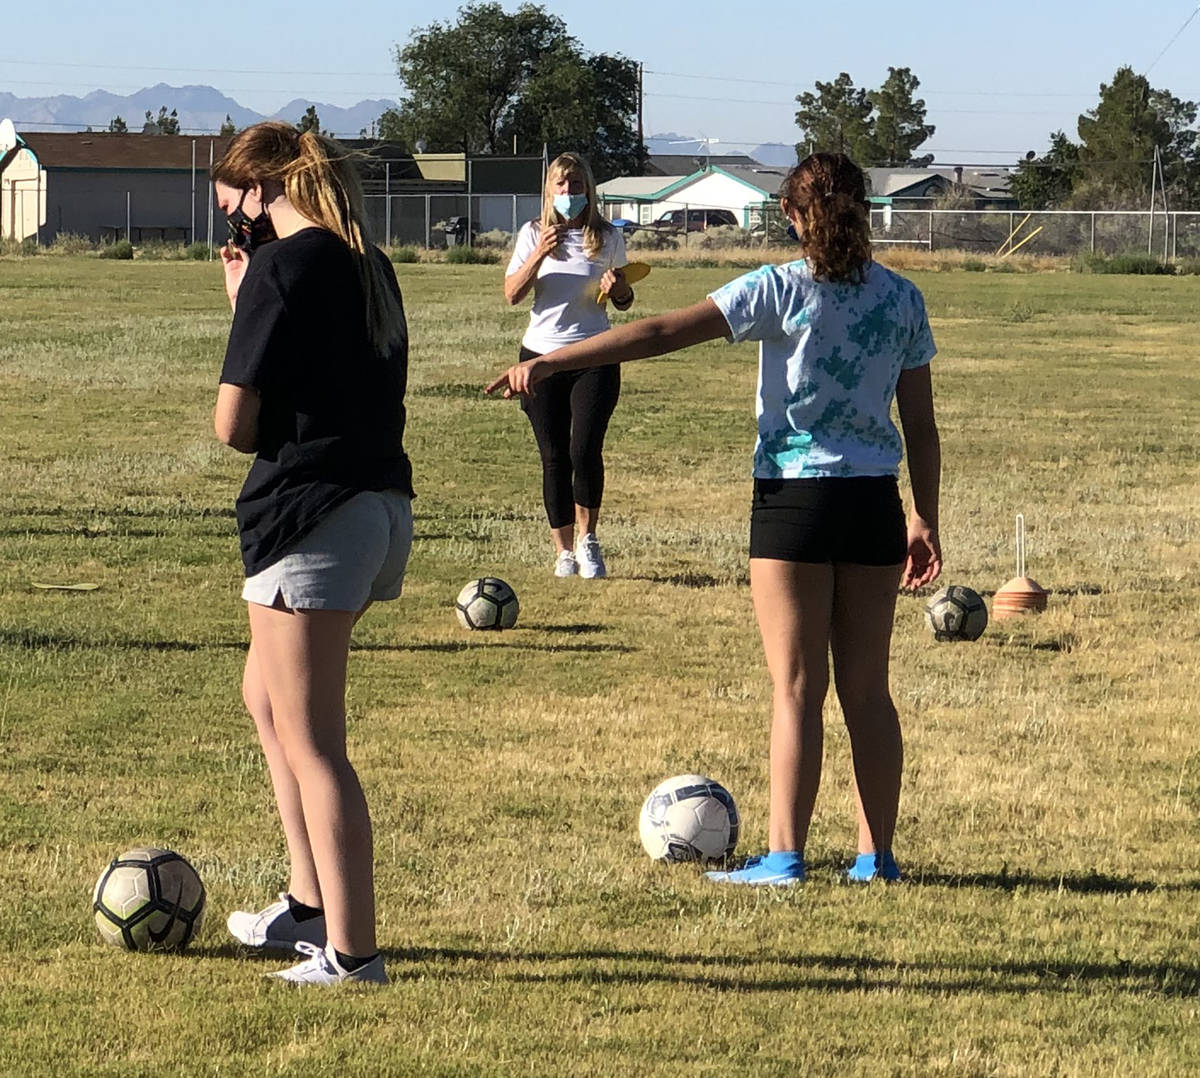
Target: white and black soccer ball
[689,818]
[149,900]
[487,603]
[956,613]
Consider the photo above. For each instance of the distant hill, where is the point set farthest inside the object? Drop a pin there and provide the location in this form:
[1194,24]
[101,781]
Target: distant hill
[775,154]
[201,110]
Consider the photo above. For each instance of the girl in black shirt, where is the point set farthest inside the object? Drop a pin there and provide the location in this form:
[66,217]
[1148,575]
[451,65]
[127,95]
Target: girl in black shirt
[313,384]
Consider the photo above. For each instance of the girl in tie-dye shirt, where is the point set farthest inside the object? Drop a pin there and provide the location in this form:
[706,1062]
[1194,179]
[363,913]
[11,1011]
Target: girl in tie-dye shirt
[841,338]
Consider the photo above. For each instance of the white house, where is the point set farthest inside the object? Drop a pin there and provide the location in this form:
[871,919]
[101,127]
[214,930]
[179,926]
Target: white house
[742,189]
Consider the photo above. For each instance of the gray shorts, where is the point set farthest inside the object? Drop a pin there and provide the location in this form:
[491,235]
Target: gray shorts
[355,555]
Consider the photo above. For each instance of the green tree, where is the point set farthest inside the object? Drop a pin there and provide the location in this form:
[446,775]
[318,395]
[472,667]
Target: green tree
[117,126]
[837,119]
[1046,182]
[310,121]
[1181,152]
[899,122]
[228,127]
[1117,142]
[472,85]
[166,123]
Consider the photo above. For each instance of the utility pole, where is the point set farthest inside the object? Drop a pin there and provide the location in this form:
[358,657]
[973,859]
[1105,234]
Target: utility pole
[641,100]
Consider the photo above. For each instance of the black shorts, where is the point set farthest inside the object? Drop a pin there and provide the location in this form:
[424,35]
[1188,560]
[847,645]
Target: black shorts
[858,520]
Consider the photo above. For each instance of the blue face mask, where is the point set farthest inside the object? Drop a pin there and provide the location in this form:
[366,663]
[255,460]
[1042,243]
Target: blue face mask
[792,234]
[570,206]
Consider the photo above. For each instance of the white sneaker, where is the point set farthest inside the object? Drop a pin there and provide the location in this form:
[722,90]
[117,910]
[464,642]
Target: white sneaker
[566,565]
[275,928]
[321,967]
[591,561]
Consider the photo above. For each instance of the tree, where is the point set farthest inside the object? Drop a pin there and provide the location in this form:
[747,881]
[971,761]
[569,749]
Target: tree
[1046,182]
[837,119]
[117,126]
[900,125]
[473,85]
[310,121]
[228,127]
[164,124]
[1117,141]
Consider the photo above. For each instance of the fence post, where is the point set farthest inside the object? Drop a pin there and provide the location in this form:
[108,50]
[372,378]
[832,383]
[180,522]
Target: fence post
[931,230]
[128,218]
[387,202]
[1093,247]
[428,237]
[514,213]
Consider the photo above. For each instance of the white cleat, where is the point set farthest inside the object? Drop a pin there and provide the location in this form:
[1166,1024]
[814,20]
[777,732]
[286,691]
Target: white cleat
[321,967]
[275,928]
[591,561]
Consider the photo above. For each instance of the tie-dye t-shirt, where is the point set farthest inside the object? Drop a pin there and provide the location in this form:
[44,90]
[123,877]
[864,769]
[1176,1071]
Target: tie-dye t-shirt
[829,358]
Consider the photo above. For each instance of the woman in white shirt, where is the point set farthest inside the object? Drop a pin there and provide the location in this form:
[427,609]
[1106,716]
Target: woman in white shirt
[568,257]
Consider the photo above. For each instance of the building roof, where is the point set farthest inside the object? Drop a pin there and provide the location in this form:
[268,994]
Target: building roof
[766,179]
[684,164]
[893,182]
[102,150]
[635,187]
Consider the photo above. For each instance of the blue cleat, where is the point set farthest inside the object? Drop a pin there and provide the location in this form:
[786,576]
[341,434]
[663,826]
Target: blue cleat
[780,868]
[873,866]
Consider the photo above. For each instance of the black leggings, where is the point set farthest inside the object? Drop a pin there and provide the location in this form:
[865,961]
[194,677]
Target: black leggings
[569,417]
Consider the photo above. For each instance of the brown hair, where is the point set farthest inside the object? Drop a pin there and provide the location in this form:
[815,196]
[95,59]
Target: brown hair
[594,225]
[320,180]
[829,193]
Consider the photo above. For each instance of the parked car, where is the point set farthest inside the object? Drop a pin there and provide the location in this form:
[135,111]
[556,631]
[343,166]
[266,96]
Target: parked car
[697,220]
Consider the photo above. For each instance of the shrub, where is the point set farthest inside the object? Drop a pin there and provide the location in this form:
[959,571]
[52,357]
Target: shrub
[198,252]
[71,243]
[974,265]
[407,253]
[122,249]
[651,239]
[722,236]
[1130,262]
[19,247]
[471,255]
[496,238]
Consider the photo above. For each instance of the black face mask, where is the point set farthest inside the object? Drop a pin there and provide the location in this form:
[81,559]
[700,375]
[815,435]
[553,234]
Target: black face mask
[248,233]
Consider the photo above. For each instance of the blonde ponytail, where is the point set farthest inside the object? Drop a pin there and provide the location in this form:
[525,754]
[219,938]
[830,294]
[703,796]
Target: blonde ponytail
[321,182]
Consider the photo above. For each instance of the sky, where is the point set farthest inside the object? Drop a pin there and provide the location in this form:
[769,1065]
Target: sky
[996,82]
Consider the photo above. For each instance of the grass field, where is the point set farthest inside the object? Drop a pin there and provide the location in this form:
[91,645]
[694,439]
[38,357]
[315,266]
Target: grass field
[1049,820]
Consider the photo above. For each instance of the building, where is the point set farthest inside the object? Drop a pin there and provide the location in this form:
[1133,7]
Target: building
[107,186]
[744,189]
[104,186]
[922,188]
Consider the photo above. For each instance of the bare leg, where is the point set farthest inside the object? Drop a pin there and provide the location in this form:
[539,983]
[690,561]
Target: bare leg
[864,607]
[586,519]
[302,884]
[564,538]
[302,655]
[792,601]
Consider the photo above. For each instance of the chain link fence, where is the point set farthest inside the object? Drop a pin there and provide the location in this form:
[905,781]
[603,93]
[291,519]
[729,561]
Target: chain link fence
[446,220]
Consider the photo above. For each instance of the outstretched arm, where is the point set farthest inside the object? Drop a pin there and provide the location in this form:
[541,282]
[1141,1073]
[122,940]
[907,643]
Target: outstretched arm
[647,337]
[914,396]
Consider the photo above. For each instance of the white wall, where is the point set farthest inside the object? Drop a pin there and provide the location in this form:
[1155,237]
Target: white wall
[716,192]
[22,197]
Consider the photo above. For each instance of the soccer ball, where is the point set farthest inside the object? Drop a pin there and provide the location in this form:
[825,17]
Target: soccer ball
[149,900]
[689,818]
[956,613]
[487,603]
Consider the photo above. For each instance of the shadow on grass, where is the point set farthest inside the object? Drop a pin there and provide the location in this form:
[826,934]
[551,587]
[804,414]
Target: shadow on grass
[34,640]
[832,973]
[1081,884]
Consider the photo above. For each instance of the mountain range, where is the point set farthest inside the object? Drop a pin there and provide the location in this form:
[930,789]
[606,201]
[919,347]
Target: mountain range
[202,110]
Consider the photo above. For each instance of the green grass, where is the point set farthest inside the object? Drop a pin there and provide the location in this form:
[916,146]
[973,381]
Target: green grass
[1049,819]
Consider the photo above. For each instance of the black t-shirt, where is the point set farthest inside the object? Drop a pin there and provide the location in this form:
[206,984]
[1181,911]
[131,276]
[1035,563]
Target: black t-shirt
[331,421]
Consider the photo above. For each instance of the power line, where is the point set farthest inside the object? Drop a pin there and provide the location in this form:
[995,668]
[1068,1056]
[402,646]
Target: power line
[1178,34]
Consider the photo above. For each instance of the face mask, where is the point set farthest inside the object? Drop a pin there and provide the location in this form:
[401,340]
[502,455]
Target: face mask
[248,233]
[792,234]
[570,206]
